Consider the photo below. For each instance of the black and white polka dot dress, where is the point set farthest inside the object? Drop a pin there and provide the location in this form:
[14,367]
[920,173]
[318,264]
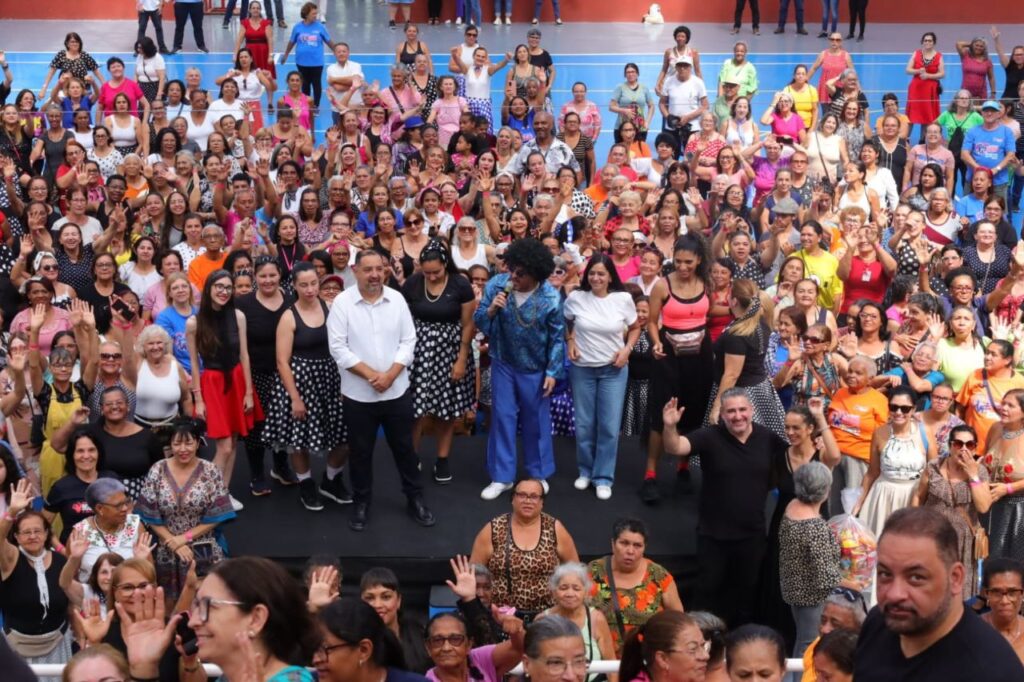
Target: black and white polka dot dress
[438,338]
[319,383]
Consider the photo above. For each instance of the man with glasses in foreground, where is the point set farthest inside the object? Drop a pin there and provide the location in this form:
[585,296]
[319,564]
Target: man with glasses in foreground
[921,630]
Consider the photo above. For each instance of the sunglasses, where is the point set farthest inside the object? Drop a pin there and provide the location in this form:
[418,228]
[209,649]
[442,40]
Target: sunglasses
[414,221]
[957,444]
[48,268]
[905,409]
[851,596]
[812,339]
[110,356]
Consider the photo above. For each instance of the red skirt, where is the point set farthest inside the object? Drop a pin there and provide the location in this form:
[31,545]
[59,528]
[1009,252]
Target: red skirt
[261,56]
[223,396]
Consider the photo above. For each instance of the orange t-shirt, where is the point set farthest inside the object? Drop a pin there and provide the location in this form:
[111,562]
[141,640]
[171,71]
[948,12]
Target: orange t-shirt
[979,412]
[201,267]
[853,419]
[597,193]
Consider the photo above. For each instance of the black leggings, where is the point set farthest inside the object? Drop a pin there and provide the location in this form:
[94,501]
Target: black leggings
[755,14]
[311,83]
[858,10]
[434,9]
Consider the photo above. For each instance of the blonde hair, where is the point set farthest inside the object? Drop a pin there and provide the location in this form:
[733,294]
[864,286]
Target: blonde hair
[174,277]
[631,196]
[745,292]
[105,651]
[857,211]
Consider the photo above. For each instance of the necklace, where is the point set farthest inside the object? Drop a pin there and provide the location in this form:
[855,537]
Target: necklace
[435,299]
[1010,435]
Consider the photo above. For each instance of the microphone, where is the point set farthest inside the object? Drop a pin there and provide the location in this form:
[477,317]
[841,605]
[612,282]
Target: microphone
[508,287]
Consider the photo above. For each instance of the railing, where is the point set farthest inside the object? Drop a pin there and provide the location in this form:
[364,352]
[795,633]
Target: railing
[596,667]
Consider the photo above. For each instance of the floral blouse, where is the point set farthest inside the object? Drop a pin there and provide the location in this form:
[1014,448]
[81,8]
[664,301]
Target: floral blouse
[590,119]
[636,605]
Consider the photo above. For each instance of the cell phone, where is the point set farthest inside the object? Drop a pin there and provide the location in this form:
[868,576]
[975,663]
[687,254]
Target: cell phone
[189,642]
[124,310]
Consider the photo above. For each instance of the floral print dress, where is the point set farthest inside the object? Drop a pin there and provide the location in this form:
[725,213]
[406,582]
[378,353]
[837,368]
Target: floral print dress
[202,499]
[636,604]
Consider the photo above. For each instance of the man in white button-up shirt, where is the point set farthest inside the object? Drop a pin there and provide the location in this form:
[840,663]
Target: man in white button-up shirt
[371,336]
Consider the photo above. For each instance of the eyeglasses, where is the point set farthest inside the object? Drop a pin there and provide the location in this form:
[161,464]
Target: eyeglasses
[557,666]
[438,641]
[905,409]
[998,595]
[123,505]
[959,444]
[129,588]
[110,356]
[467,228]
[49,268]
[621,240]
[693,649]
[527,497]
[325,651]
[201,606]
[31,533]
[963,287]
[223,288]
[852,596]
[942,398]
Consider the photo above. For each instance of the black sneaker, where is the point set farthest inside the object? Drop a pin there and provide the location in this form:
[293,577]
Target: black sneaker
[309,495]
[801,31]
[649,491]
[225,25]
[259,487]
[442,471]
[281,472]
[203,50]
[823,34]
[391,25]
[334,489]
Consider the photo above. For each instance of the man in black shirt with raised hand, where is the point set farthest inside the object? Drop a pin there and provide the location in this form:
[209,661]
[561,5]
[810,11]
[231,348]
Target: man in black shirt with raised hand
[920,629]
[737,458]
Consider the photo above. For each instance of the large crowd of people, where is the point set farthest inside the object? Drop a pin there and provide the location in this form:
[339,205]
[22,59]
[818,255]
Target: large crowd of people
[821,305]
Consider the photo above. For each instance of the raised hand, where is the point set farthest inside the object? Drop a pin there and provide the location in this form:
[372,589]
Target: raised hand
[37,318]
[78,543]
[27,245]
[464,585]
[817,406]
[21,497]
[323,587]
[146,635]
[90,623]
[144,546]
[672,413]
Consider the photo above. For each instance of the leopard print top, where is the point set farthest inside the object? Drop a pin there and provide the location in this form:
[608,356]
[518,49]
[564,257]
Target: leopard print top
[521,575]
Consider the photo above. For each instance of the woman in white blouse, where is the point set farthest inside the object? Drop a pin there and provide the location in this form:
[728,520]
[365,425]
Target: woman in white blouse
[600,331]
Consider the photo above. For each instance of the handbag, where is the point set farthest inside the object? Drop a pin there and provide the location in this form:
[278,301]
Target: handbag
[686,343]
[980,547]
[826,183]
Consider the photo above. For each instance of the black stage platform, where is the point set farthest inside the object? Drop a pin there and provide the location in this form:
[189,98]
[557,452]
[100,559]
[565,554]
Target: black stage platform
[277,526]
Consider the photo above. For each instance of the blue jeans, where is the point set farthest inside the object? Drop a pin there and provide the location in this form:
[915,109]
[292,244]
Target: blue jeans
[798,10]
[537,4]
[519,401]
[473,13]
[826,7]
[598,397]
[507,4]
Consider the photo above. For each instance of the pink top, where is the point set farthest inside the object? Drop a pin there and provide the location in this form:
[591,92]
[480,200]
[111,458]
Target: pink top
[975,75]
[791,127]
[59,322]
[590,118]
[831,66]
[109,92]
[629,269]
[302,106]
[155,299]
[685,315]
[407,98]
[447,120]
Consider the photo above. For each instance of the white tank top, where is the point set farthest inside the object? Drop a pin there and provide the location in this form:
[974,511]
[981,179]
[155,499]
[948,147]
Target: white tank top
[156,397]
[480,258]
[845,201]
[200,133]
[122,137]
[478,85]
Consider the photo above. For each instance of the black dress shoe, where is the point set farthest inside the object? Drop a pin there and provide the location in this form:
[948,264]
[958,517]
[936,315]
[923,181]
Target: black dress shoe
[419,512]
[359,516]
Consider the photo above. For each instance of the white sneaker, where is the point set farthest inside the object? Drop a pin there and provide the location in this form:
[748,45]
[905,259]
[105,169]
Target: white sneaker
[604,492]
[582,483]
[497,20]
[508,19]
[494,490]
[544,485]
[235,504]
[458,21]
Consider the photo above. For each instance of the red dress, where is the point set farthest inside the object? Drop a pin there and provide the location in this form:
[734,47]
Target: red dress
[256,41]
[923,95]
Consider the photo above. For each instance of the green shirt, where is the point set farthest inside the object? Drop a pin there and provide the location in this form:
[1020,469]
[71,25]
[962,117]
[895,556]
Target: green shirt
[949,123]
[745,74]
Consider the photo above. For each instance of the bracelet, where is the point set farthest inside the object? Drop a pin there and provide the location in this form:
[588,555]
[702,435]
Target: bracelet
[33,346]
[188,536]
[8,515]
[1009,489]
[974,482]
[59,547]
[194,668]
